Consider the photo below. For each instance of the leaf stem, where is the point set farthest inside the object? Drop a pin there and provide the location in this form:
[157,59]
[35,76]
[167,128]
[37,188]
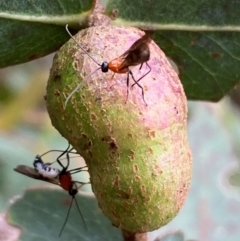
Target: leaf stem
[129,236]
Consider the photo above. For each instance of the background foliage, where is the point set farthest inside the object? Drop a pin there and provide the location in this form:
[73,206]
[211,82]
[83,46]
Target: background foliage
[208,66]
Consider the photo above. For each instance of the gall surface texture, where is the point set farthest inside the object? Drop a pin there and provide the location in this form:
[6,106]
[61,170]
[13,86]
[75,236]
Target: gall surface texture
[138,156]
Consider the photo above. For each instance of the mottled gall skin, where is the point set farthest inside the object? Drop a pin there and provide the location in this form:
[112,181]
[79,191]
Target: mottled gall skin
[138,156]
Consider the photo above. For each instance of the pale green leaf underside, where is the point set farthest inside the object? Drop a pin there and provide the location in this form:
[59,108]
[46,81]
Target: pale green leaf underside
[31,29]
[41,213]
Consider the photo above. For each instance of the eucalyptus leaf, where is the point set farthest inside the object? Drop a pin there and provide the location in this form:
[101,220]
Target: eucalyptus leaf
[172,236]
[32,29]
[201,37]
[41,213]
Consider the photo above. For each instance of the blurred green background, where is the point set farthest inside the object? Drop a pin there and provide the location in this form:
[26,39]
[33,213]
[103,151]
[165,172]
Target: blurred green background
[212,210]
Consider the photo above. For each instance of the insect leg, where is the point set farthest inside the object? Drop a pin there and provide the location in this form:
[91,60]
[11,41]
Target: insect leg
[111,79]
[127,85]
[76,170]
[136,82]
[63,153]
[82,183]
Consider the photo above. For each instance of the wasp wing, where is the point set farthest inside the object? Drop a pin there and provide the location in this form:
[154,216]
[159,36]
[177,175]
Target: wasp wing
[137,54]
[31,172]
[137,45]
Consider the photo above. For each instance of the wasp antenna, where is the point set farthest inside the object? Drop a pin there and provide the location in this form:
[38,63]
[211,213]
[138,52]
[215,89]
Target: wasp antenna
[80,45]
[69,209]
[71,94]
[80,212]
[64,224]
[78,86]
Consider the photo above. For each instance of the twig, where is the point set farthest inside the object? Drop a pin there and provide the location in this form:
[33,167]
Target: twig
[129,236]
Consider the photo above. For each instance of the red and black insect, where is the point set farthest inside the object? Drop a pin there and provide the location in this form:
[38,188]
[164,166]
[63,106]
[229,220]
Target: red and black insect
[138,53]
[64,179]
[46,169]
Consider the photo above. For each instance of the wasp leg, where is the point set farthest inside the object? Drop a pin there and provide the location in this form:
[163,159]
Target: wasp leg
[111,79]
[136,82]
[76,170]
[127,85]
[63,153]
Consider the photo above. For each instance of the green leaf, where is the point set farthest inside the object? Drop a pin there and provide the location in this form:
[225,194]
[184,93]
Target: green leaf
[173,236]
[201,37]
[30,30]
[230,117]
[41,213]
[209,13]
[208,62]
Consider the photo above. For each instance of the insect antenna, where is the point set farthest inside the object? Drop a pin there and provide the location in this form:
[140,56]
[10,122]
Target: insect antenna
[78,86]
[104,67]
[81,46]
[79,211]
[72,192]
[138,53]
[64,224]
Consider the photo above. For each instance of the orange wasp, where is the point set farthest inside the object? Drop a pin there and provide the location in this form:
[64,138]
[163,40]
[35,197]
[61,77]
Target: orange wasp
[63,178]
[138,53]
